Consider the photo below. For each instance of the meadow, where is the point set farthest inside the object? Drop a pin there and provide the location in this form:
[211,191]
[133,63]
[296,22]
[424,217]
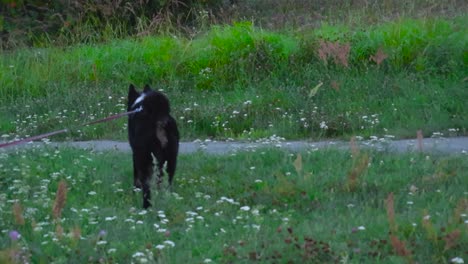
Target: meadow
[300,69]
[60,205]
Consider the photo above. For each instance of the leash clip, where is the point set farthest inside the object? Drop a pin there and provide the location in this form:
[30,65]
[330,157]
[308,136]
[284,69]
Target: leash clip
[139,109]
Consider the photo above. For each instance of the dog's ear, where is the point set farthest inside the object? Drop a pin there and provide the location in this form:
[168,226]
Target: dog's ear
[147,89]
[132,94]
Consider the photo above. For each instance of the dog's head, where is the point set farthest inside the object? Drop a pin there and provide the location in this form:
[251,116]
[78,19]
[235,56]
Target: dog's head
[151,103]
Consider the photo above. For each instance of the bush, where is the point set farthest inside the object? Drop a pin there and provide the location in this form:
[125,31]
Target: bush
[234,52]
[30,22]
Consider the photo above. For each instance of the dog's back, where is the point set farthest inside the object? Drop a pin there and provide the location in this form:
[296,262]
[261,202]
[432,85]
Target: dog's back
[153,121]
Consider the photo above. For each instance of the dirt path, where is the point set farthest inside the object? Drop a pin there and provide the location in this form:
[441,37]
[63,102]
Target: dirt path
[457,145]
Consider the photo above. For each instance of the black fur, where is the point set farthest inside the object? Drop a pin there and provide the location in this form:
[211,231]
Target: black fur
[152,131]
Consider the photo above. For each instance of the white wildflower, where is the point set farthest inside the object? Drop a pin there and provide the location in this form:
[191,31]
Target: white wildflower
[170,243]
[245,208]
[457,260]
[138,255]
[323,125]
[160,247]
[111,218]
[142,212]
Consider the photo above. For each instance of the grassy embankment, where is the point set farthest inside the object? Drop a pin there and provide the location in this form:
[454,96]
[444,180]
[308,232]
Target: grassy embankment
[243,82]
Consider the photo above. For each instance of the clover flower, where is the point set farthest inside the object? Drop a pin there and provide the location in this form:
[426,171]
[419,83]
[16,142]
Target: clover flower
[14,235]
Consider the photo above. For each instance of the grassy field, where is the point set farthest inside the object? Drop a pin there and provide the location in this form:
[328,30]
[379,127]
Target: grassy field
[268,206]
[297,70]
[241,81]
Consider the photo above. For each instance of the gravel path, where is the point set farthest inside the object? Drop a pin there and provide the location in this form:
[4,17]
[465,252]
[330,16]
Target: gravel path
[456,145]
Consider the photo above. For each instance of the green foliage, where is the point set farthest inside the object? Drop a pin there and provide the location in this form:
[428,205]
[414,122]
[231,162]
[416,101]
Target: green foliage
[84,21]
[422,44]
[231,53]
[407,74]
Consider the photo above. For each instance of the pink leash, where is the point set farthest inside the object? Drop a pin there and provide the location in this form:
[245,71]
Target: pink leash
[41,136]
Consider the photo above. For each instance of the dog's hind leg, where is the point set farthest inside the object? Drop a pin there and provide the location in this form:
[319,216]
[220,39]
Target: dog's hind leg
[146,194]
[136,179]
[160,160]
[144,169]
[171,167]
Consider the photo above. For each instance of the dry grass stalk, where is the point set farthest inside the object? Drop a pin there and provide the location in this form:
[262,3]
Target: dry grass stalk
[339,53]
[379,57]
[427,224]
[419,136]
[59,230]
[323,51]
[451,239]
[298,164]
[389,204]
[358,169]
[462,206]
[342,53]
[76,233]
[60,199]
[33,224]
[335,85]
[354,147]
[399,247]
[95,72]
[18,213]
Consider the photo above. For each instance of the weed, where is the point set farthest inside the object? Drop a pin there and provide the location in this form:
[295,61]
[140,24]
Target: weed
[60,198]
[338,52]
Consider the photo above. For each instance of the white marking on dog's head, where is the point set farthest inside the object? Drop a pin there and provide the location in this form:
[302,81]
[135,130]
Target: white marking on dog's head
[139,99]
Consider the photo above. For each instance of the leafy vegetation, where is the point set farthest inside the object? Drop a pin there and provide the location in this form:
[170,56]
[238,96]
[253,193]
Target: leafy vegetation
[233,81]
[42,23]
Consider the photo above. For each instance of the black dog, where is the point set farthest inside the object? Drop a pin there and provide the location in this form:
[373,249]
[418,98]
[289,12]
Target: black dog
[151,131]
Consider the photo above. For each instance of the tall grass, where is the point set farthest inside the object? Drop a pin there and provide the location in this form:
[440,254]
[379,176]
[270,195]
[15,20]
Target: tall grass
[238,52]
[45,23]
[245,82]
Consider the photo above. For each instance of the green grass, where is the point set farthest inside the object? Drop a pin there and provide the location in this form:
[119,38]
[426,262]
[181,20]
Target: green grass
[240,81]
[245,81]
[231,53]
[263,205]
